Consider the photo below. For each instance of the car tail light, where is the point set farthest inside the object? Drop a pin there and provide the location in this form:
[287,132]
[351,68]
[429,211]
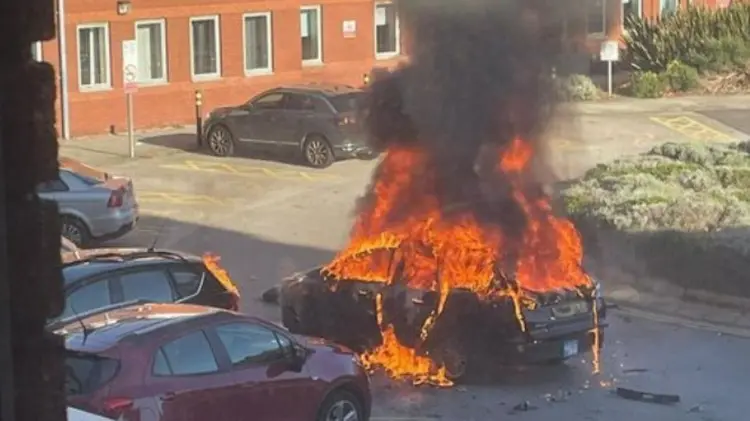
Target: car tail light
[116,198]
[115,407]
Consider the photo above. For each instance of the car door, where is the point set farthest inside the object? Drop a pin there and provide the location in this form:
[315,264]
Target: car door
[299,112]
[87,295]
[152,283]
[189,382]
[254,122]
[271,389]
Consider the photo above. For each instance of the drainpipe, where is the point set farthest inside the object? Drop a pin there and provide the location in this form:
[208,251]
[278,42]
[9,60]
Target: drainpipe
[62,67]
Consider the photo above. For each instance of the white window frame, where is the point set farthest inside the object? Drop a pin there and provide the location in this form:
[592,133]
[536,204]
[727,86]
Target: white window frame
[36,49]
[605,20]
[210,76]
[390,54]
[622,13]
[269,37]
[165,60]
[107,58]
[319,25]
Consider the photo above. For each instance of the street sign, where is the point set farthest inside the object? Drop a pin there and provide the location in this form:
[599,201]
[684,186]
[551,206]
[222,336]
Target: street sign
[610,51]
[130,66]
[349,28]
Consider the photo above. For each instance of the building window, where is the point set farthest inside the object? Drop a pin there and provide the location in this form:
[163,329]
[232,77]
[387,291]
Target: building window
[386,30]
[632,8]
[596,17]
[150,36]
[205,57]
[93,56]
[258,45]
[312,45]
[668,7]
[36,51]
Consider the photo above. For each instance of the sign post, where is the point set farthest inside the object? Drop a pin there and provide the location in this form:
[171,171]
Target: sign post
[610,52]
[130,85]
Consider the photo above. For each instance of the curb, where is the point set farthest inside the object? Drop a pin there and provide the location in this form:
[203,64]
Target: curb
[690,308]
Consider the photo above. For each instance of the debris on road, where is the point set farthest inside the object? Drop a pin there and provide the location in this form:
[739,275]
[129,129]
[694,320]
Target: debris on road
[635,370]
[523,407]
[270,295]
[560,396]
[637,395]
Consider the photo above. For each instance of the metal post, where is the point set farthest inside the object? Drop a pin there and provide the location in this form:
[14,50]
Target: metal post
[199,118]
[131,137]
[609,78]
[62,46]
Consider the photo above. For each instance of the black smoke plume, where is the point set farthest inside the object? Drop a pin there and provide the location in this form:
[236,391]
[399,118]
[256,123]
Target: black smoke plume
[479,74]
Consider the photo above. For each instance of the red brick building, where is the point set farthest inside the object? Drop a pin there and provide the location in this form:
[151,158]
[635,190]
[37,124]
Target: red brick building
[231,50]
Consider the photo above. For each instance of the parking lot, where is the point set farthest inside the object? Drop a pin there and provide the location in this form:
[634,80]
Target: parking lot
[268,219]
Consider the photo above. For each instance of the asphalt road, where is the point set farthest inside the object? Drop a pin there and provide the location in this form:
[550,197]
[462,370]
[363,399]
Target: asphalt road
[268,219]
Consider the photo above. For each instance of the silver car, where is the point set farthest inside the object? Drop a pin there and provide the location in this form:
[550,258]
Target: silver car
[92,207]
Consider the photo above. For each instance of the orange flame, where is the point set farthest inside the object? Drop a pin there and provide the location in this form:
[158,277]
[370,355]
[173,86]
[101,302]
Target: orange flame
[441,249]
[212,264]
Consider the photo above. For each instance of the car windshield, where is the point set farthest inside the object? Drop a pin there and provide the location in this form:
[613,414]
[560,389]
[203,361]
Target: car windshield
[84,372]
[349,102]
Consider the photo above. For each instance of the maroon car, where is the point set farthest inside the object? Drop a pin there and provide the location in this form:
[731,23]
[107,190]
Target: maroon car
[182,362]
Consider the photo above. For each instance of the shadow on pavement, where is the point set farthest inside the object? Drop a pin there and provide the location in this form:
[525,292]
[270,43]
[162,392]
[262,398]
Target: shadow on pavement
[255,264]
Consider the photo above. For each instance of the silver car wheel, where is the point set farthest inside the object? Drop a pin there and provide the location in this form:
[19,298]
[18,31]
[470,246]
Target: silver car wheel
[317,152]
[72,233]
[219,141]
[342,410]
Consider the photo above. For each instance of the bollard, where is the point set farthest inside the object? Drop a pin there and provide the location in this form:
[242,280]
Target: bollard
[199,118]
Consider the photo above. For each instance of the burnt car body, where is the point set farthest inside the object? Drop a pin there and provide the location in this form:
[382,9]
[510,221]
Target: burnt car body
[560,325]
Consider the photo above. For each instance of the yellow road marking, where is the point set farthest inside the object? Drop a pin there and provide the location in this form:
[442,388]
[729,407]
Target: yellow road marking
[692,128]
[146,197]
[249,171]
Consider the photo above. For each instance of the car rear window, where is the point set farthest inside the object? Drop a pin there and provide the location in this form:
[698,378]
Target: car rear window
[85,373]
[345,103]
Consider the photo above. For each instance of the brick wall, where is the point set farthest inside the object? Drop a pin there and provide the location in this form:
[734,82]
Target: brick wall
[345,60]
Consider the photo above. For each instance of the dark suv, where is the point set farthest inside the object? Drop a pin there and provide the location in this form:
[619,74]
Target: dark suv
[101,277]
[321,123]
[177,362]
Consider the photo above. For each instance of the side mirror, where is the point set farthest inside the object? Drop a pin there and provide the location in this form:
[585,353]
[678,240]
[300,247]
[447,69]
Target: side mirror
[296,355]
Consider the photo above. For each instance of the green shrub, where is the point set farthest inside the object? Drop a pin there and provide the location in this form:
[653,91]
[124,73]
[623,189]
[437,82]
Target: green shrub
[705,39]
[577,88]
[683,208]
[647,85]
[680,77]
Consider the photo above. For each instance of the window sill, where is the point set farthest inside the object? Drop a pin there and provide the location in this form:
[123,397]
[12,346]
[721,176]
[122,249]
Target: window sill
[312,63]
[386,56]
[258,72]
[205,78]
[100,88]
[152,83]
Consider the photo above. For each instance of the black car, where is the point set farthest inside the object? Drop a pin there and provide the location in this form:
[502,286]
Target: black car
[320,123]
[560,326]
[101,277]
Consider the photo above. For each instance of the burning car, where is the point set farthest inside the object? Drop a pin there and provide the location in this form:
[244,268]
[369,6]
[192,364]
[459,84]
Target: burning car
[548,328]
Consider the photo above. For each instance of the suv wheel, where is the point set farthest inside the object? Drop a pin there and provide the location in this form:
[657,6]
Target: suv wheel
[317,152]
[221,141]
[75,230]
[341,406]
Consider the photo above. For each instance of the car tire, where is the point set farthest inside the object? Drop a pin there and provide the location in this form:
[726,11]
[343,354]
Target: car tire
[220,141]
[75,230]
[317,152]
[454,358]
[341,405]
[290,320]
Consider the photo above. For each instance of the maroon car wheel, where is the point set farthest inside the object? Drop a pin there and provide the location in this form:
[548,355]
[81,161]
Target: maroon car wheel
[341,406]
